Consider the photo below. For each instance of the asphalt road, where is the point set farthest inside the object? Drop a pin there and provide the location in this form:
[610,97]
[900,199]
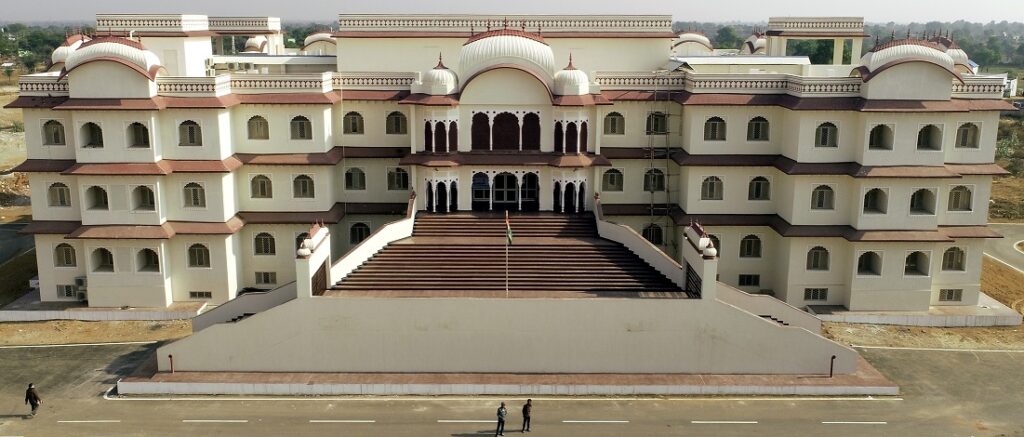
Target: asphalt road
[1003,248]
[944,394]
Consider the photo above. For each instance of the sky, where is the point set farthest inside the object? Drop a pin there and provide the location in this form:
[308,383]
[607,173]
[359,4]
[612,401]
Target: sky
[325,11]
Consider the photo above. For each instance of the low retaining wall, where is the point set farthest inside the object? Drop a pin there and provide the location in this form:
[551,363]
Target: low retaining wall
[92,315]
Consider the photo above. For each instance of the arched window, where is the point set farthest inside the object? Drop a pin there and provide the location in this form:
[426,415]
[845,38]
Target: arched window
[92,135]
[302,128]
[750,247]
[711,188]
[300,238]
[352,123]
[759,189]
[572,138]
[817,258]
[440,137]
[654,180]
[480,132]
[143,198]
[654,234]
[53,133]
[531,131]
[64,256]
[657,123]
[612,180]
[880,138]
[559,137]
[960,199]
[875,201]
[967,136]
[922,202]
[714,129]
[96,198]
[355,179]
[264,244]
[916,264]
[258,128]
[398,179]
[823,197]
[453,137]
[953,259]
[584,146]
[396,124]
[505,132]
[716,243]
[757,129]
[358,232]
[826,135]
[147,260]
[138,135]
[190,134]
[59,195]
[302,187]
[102,260]
[869,264]
[614,124]
[261,187]
[929,138]
[198,256]
[195,195]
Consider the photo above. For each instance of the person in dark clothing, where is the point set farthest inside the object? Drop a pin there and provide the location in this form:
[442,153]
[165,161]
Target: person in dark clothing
[32,398]
[527,407]
[502,412]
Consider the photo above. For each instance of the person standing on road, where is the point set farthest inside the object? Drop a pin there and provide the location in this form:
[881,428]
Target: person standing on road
[502,412]
[32,398]
[527,407]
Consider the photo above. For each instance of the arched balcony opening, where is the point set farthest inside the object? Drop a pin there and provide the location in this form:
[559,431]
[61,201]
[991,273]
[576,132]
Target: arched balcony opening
[583,138]
[440,138]
[505,132]
[531,132]
[481,132]
[572,138]
[453,137]
[559,138]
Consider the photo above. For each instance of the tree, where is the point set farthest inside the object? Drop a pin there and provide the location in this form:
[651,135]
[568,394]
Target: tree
[8,72]
[726,38]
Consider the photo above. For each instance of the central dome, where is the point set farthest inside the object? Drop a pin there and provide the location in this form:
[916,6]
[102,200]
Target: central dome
[507,46]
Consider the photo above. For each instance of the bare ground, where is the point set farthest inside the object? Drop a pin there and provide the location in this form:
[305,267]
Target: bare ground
[74,331]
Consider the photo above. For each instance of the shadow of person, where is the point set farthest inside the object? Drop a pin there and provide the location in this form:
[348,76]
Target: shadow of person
[473,434]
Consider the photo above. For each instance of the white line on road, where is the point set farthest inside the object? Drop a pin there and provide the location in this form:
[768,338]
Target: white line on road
[723,422]
[340,421]
[76,345]
[88,421]
[854,423]
[595,421]
[214,421]
[932,349]
[465,421]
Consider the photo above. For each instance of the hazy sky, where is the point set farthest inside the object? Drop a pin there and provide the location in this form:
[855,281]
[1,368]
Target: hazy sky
[875,11]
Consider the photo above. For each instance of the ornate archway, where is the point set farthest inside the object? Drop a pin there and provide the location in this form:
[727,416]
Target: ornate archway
[505,132]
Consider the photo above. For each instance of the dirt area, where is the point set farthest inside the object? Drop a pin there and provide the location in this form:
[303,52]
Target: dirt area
[1007,200]
[1002,283]
[73,331]
[15,274]
[14,190]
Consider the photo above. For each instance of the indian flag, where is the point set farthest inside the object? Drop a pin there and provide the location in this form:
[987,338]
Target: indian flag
[508,228]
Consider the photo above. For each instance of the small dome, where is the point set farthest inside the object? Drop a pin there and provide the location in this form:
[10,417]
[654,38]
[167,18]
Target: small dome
[754,45]
[692,44]
[506,46]
[72,43]
[571,82]
[256,44]
[960,57]
[317,37]
[122,50]
[906,50]
[438,81]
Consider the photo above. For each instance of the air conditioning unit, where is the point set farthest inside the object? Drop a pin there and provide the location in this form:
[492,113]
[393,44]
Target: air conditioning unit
[82,281]
[232,66]
[209,62]
[83,296]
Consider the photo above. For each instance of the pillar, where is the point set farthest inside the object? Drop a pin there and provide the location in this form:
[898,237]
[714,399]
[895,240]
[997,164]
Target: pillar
[837,51]
[858,47]
[520,119]
[490,133]
[490,188]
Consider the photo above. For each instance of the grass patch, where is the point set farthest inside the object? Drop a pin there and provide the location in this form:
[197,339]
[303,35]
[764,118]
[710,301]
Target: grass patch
[15,274]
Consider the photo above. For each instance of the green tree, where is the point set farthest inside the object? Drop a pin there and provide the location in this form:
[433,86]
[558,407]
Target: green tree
[726,38]
[8,72]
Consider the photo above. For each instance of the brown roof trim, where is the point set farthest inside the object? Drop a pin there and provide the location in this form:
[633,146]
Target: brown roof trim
[331,157]
[152,104]
[134,232]
[531,157]
[978,169]
[978,231]
[222,102]
[810,103]
[545,34]
[35,102]
[148,74]
[50,227]
[291,98]
[429,100]
[332,216]
[163,167]
[584,100]
[233,225]
[871,74]
[374,95]
[44,165]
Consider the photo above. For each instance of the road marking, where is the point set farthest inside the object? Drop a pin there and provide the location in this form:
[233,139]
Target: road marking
[214,421]
[932,349]
[76,345]
[465,421]
[595,421]
[340,421]
[855,423]
[88,421]
[723,422]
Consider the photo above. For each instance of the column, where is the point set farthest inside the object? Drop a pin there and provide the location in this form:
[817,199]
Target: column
[519,187]
[433,186]
[490,134]
[520,132]
[561,197]
[490,197]
[858,46]
[837,51]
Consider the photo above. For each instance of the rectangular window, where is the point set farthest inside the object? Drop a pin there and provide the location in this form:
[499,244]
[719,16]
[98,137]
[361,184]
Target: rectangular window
[815,294]
[398,179]
[951,295]
[67,291]
[200,295]
[750,280]
[266,278]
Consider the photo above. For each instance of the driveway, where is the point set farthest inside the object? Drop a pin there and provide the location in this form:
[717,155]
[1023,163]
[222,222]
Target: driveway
[1003,248]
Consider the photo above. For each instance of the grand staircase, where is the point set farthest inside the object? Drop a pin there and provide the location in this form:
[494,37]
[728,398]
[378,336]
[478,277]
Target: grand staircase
[464,255]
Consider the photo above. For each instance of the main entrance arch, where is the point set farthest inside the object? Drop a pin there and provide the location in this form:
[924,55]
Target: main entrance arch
[569,200]
[442,198]
[506,192]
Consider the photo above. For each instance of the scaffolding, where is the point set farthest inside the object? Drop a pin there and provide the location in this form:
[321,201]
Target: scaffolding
[659,150]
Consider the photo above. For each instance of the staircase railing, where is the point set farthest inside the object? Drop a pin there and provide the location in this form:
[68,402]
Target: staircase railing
[387,234]
[635,242]
[250,303]
[760,304]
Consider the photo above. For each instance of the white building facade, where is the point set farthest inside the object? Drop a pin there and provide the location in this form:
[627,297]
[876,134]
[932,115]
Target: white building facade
[167,166]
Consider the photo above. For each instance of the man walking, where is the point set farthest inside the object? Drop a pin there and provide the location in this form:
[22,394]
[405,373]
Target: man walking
[32,398]
[527,407]
[502,412]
